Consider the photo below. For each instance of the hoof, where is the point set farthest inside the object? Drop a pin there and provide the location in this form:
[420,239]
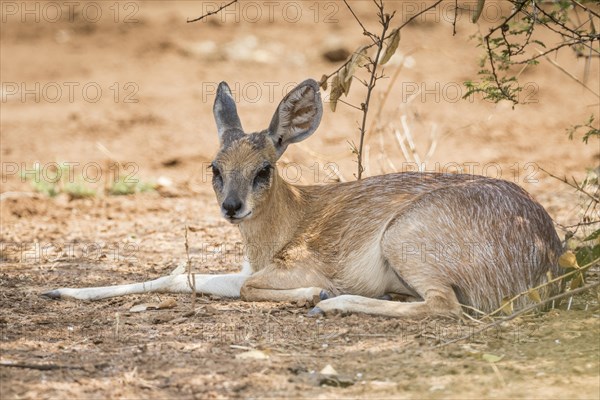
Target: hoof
[52,294]
[315,311]
[324,295]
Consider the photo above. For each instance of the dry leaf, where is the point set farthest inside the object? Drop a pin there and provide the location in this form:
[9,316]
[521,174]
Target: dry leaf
[357,60]
[577,281]
[478,10]
[252,355]
[336,92]
[573,244]
[323,82]
[344,80]
[534,295]
[168,303]
[392,45]
[507,306]
[568,260]
[492,358]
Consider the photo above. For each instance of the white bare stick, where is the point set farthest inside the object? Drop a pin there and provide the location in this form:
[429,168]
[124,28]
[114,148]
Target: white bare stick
[400,139]
[410,141]
[433,144]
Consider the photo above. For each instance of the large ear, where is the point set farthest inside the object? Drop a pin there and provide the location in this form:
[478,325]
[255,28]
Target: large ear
[225,111]
[297,116]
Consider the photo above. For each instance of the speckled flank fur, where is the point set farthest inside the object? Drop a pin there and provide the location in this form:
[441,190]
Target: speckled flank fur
[436,240]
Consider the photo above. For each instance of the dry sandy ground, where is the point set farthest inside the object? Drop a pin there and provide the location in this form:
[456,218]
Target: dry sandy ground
[134,84]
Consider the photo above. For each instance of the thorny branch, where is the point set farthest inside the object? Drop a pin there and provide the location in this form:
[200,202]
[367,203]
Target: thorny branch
[208,14]
[409,20]
[575,186]
[500,51]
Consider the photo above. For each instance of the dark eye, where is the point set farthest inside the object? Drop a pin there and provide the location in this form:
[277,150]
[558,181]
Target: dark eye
[263,175]
[216,172]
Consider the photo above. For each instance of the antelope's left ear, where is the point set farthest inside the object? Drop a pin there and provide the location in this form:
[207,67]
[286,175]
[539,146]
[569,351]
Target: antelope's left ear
[297,116]
[225,112]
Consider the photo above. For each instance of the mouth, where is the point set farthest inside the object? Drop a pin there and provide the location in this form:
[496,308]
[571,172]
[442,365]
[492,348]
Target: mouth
[237,220]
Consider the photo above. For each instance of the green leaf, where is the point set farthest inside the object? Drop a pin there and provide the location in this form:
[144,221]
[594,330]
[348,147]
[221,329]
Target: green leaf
[593,236]
[588,254]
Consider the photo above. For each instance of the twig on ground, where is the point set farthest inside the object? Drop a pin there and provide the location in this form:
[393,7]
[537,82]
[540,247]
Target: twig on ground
[39,367]
[191,276]
[551,281]
[520,312]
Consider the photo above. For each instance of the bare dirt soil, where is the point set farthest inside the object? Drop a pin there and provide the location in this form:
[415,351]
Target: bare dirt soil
[131,82]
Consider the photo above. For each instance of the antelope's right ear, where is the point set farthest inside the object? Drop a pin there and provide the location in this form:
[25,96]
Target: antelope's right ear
[297,116]
[225,112]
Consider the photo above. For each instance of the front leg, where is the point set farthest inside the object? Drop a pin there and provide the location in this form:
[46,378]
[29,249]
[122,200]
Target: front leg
[225,285]
[289,284]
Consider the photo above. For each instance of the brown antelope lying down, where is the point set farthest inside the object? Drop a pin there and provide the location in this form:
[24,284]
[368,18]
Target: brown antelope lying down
[441,240]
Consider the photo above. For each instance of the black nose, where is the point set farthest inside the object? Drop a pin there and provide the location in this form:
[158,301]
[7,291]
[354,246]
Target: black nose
[231,206]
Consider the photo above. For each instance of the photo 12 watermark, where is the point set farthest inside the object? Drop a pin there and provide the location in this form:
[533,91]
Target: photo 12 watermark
[292,172]
[70,172]
[91,12]
[454,92]
[38,252]
[249,92]
[272,11]
[450,11]
[71,92]
[329,172]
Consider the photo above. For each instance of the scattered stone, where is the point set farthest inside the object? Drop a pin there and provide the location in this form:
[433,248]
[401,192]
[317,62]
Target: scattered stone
[328,370]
